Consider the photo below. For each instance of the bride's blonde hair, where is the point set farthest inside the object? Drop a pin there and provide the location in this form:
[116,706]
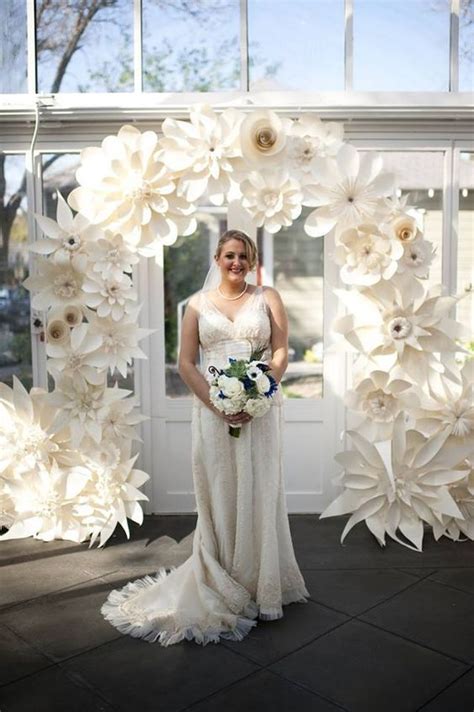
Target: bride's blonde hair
[250,246]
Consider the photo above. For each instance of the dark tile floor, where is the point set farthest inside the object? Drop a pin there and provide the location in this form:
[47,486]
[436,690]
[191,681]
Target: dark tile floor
[385,629]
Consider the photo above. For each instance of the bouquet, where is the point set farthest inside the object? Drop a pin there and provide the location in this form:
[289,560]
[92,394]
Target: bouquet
[244,385]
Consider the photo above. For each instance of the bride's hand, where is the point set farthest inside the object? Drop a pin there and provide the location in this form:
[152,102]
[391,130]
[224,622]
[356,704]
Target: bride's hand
[237,419]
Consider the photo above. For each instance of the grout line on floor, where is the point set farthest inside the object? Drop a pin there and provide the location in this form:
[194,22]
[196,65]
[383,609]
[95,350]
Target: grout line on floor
[307,689]
[419,709]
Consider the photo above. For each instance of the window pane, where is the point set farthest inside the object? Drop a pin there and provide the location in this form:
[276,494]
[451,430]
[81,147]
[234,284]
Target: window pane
[466,46]
[401,45]
[191,50]
[84,47]
[297,45]
[465,275]
[15,338]
[185,267]
[420,175]
[298,275]
[13,52]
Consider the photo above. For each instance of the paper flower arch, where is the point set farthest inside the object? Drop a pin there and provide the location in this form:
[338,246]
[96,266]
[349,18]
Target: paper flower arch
[66,467]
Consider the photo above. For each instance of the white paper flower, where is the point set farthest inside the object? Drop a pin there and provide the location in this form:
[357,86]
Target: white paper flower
[417,258]
[349,192]
[449,406]
[119,421]
[272,199]
[379,399]
[67,238]
[114,297]
[55,285]
[404,228]
[202,152]
[80,357]
[83,406]
[29,433]
[44,504]
[367,255]
[311,141]
[458,527]
[389,329]
[57,332]
[119,340]
[111,257]
[400,487]
[263,136]
[124,188]
[110,497]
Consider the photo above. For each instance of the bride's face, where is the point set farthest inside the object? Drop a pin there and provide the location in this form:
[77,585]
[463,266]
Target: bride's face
[233,262]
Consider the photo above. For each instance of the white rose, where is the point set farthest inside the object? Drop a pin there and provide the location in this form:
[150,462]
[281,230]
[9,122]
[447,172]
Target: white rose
[215,399]
[256,407]
[232,406]
[230,386]
[263,384]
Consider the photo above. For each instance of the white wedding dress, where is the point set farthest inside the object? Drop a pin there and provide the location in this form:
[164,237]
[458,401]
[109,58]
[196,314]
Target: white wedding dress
[242,565]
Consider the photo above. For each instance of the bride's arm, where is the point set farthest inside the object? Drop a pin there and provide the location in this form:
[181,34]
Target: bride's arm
[188,354]
[279,342]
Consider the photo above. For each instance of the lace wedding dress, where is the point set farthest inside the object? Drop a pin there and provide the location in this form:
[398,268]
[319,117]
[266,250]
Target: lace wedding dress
[242,565]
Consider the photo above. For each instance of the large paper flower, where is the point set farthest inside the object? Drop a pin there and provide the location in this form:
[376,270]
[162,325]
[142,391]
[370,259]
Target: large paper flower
[378,399]
[272,198]
[349,192]
[112,495]
[112,257]
[263,137]
[450,406]
[311,141]
[390,330]
[55,285]
[119,341]
[114,297]
[202,152]
[367,255]
[124,188]
[417,258]
[30,435]
[68,238]
[83,407]
[45,504]
[399,487]
[81,356]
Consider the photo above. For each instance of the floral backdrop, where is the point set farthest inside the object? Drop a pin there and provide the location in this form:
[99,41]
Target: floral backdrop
[66,463]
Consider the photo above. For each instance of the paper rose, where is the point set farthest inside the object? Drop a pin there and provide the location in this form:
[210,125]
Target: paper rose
[349,192]
[263,136]
[367,255]
[272,199]
[202,152]
[404,228]
[379,399]
[124,188]
[402,488]
[67,238]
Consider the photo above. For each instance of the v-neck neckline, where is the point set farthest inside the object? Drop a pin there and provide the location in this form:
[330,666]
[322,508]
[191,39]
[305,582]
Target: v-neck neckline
[237,314]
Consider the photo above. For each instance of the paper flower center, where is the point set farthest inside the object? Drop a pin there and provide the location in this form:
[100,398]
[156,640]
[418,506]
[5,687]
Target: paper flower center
[265,138]
[72,243]
[399,328]
[65,287]
[270,199]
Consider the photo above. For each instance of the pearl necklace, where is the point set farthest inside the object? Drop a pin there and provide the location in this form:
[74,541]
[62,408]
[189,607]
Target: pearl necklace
[231,299]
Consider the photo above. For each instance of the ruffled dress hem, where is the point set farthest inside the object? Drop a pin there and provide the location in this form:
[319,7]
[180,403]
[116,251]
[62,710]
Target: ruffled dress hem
[153,630]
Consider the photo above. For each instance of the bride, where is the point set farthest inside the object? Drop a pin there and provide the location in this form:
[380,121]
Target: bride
[242,565]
